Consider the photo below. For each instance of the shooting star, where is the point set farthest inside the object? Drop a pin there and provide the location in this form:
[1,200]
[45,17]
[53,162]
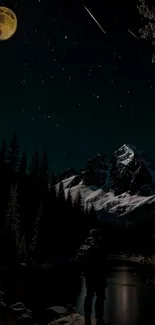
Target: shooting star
[133,34]
[95,20]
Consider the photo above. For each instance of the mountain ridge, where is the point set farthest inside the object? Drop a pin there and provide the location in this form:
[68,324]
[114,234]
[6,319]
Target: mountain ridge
[122,189]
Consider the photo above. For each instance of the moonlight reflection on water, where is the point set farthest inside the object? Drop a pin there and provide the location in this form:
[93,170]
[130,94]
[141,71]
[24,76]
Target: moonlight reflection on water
[126,297]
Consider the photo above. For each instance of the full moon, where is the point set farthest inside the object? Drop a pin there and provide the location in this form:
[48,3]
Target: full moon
[8,23]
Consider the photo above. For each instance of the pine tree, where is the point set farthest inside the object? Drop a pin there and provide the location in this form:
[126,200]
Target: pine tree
[12,222]
[16,218]
[60,217]
[44,162]
[3,154]
[51,218]
[37,183]
[23,190]
[3,187]
[52,194]
[36,230]
[12,157]
[53,179]
[69,203]
[69,220]
[36,162]
[78,221]
[87,225]
[78,203]
[44,174]
[92,217]
[61,193]
[45,230]
[31,167]
[23,163]
[11,165]
[23,252]
[34,195]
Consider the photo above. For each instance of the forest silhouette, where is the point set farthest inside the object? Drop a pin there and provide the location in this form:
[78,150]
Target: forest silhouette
[38,223]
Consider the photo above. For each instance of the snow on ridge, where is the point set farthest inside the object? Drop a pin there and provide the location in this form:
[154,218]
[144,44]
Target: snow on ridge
[85,191]
[123,204]
[125,154]
[112,205]
[66,182]
[95,195]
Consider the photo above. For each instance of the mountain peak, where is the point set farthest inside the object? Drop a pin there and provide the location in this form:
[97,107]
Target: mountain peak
[120,189]
[125,154]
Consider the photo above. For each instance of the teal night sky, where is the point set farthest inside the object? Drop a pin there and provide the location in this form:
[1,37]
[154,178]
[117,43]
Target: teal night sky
[66,86]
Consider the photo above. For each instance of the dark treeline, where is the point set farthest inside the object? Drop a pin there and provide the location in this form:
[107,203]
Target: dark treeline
[36,220]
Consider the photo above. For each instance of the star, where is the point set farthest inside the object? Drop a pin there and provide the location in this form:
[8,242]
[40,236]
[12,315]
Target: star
[62,70]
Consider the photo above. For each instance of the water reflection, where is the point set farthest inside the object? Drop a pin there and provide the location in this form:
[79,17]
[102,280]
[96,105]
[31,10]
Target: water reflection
[128,301]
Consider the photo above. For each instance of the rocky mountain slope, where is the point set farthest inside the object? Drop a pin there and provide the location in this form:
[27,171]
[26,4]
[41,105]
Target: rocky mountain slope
[122,189]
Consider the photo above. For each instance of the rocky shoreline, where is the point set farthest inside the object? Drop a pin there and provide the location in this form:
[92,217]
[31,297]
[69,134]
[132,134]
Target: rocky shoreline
[44,313]
[74,318]
[19,314]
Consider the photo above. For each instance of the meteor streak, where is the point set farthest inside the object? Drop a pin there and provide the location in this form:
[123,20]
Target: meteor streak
[95,20]
[132,34]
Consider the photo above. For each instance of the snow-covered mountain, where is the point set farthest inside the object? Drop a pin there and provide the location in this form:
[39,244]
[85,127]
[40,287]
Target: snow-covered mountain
[122,189]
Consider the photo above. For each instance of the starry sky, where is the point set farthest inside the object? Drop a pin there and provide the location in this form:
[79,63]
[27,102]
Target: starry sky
[66,86]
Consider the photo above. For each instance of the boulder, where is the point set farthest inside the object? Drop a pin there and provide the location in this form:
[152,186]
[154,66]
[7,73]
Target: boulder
[20,313]
[18,308]
[73,319]
[55,312]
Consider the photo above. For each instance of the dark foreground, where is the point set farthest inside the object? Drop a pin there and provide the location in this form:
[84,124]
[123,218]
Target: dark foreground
[129,300]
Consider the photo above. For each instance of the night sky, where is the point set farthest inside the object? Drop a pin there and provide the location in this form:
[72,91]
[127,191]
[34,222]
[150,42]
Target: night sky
[65,86]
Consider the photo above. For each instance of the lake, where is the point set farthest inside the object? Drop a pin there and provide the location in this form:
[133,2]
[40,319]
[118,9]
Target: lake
[128,299]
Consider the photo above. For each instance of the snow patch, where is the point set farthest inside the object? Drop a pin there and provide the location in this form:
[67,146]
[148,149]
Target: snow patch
[115,206]
[125,154]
